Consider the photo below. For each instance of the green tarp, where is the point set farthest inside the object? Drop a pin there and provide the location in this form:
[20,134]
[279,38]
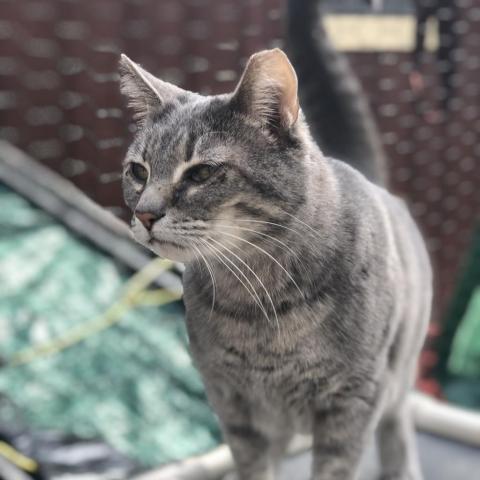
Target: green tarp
[459,345]
[465,356]
[132,384]
[463,386]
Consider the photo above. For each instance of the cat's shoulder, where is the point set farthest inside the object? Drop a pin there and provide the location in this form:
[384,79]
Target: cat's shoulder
[354,185]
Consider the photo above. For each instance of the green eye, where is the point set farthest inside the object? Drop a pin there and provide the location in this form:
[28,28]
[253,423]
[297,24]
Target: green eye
[139,172]
[201,173]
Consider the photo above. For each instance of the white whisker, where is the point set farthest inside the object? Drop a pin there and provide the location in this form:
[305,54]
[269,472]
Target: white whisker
[254,274]
[296,232]
[254,295]
[301,222]
[270,256]
[261,234]
[264,222]
[212,276]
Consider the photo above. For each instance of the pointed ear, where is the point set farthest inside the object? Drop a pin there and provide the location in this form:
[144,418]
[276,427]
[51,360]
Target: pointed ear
[145,92]
[268,90]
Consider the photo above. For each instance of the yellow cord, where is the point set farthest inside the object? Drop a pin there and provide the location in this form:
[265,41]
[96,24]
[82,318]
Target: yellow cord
[18,459]
[135,294]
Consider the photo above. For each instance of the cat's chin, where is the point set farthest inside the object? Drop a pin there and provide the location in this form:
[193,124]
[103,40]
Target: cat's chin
[163,248]
[170,251]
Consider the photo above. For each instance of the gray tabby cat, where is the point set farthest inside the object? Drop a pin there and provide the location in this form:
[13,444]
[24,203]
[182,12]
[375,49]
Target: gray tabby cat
[307,288]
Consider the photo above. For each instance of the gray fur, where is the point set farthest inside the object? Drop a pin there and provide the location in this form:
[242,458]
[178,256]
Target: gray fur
[320,329]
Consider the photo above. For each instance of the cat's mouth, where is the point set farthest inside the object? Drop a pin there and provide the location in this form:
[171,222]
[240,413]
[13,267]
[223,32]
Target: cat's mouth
[168,249]
[160,242]
[164,243]
[187,241]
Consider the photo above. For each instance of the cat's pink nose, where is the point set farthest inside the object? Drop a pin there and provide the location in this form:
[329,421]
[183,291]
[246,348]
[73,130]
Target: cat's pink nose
[148,219]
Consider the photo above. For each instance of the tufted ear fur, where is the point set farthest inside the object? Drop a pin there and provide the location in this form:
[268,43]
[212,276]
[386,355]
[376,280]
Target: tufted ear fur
[145,92]
[268,90]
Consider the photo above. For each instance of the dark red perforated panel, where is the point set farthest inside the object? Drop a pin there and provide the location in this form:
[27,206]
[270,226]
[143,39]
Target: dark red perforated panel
[59,97]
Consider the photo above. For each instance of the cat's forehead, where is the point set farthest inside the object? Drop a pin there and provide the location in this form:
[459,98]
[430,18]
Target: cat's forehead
[180,137]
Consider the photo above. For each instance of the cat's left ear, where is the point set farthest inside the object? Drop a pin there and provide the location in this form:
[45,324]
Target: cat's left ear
[145,92]
[268,90]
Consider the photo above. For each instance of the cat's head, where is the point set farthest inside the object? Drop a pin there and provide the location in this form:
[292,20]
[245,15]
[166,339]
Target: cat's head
[210,171]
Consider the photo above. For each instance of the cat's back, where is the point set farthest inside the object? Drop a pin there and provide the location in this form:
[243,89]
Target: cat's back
[375,209]
[386,233]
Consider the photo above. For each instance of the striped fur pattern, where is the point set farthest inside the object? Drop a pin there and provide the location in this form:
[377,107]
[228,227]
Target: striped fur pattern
[307,288]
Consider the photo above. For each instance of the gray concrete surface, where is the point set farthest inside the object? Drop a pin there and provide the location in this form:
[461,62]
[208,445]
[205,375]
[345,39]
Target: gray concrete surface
[441,460]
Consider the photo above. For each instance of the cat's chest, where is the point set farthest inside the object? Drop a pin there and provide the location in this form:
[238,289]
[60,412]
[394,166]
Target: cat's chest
[253,359]
[255,353]
[263,368]
[260,373]
[282,387]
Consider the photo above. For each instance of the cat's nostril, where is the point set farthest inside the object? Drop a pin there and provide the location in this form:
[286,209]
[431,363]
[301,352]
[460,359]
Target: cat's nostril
[148,219]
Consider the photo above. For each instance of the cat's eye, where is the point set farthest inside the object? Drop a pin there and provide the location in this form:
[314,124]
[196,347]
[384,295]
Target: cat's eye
[139,172]
[200,173]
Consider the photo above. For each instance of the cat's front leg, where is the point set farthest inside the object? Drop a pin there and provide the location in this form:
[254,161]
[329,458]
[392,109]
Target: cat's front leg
[251,449]
[340,433]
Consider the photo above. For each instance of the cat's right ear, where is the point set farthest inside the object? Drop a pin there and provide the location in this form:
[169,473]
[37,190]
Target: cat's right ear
[267,91]
[145,92]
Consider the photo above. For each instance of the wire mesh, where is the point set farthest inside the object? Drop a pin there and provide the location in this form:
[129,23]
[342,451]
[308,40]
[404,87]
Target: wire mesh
[59,96]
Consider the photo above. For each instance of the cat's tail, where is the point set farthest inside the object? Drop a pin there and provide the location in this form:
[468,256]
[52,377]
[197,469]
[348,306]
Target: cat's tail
[335,107]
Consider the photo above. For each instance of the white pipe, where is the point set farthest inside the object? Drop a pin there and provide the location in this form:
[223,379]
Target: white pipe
[445,420]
